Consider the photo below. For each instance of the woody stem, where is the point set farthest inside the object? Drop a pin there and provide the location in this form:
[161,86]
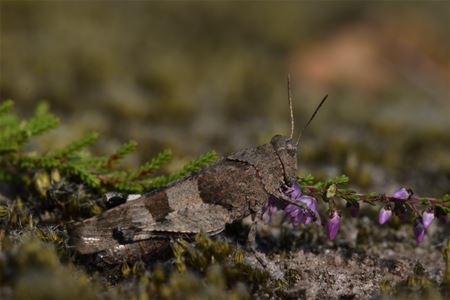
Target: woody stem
[380,197]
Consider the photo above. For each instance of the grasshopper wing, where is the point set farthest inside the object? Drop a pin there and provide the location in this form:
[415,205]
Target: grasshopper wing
[176,209]
[207,218]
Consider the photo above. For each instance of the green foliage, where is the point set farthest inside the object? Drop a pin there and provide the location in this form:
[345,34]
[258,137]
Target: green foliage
[193,166]
[100,173]
[151,165]
[306,180]
[75,146]
[330,189]
[15,133]
[120,154]
[341,180]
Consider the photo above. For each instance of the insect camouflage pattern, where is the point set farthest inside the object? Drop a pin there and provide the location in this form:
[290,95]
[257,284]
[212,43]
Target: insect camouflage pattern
[228,190]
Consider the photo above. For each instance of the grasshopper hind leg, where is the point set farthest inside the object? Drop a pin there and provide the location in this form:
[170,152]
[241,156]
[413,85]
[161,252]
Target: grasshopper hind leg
[140,250]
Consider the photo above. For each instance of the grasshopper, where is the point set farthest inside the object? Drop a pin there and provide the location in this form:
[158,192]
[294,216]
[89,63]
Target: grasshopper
[230,189]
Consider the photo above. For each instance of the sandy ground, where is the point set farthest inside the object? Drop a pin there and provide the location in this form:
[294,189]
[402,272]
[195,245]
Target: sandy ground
[351,267]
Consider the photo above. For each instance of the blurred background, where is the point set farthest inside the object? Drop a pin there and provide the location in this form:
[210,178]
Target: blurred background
[201,75]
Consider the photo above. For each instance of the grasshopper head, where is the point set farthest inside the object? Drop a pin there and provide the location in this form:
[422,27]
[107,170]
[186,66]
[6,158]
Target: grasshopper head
[286,151]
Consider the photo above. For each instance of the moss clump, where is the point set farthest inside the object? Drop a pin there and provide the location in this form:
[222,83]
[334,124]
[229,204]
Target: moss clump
[416,286]
[188,285]
[31,269]
[221,261]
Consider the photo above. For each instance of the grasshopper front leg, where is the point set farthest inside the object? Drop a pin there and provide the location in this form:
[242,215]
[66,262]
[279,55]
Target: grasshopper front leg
[265,263]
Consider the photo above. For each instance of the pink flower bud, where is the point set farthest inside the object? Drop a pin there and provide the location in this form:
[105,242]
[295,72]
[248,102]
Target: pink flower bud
[402,194]
[333,225]
[427,217]
[419,229]
[385,214]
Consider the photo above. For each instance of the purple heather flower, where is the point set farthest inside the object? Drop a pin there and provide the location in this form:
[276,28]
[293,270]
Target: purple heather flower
[298,214]
[353,209]
[427,217]
[333,225]
[293,192]
[419,229]
[401,209]
[402,194]
[269,208]
[385,214]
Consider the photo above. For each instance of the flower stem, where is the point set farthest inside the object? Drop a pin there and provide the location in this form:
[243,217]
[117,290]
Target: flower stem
[413,200]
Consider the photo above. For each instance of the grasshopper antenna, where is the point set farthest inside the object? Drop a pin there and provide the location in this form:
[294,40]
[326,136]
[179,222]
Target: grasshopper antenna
[312,117]
[290,105]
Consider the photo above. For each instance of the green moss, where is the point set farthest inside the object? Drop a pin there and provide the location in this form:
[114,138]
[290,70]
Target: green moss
[207,257]
[416,286]
[33,270]
[187,285]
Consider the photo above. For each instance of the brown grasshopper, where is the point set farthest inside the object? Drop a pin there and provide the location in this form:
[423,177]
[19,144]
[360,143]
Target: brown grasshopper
[232,188]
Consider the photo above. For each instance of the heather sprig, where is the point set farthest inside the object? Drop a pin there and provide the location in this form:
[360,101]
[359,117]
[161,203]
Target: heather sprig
[99,173]
[14,133]
[420,211]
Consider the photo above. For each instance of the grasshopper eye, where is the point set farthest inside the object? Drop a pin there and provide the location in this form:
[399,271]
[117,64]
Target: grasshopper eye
[291,148]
